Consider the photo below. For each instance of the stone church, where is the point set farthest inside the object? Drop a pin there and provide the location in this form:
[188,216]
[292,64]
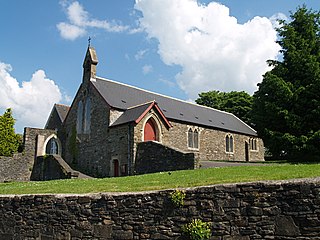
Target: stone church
[113,129]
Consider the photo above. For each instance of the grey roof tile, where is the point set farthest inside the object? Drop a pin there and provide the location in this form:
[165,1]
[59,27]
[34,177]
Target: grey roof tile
[122,96]
[62,111]
[131,114]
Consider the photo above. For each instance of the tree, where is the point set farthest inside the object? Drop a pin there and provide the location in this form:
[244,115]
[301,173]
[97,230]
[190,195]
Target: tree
[238,103]
[9,141]
[286,107]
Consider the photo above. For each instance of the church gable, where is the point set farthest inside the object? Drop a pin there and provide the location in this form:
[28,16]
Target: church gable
[137,113]
[57,116]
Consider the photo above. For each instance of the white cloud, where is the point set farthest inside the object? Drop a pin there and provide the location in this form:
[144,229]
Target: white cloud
[80,21]
[278,16]
[70,32]
[166,82]
[213,49]
[32,101]
[140,54]
[147,69]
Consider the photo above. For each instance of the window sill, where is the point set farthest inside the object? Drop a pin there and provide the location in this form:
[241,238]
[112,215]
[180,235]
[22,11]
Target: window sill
[193,149]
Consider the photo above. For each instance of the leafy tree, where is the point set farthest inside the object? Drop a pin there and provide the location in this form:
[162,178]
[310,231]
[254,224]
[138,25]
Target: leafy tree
[286,108]
[9,141]
[238,103]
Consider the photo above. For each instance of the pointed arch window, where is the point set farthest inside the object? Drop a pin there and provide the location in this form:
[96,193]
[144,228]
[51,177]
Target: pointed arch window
[52,146]
[193,138]
[253,144]
[87,116]
[79,117]
[229,143]
[190,138]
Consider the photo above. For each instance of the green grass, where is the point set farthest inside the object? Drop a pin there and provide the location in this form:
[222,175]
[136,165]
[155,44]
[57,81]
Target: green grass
[157,181]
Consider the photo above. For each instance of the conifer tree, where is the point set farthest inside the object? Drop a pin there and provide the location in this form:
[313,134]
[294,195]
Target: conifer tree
[9,141]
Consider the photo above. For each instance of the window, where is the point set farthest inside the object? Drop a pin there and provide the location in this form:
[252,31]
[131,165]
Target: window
[124,170]
[79,117]
[253,144]
[52,146]
[87,116]
[229,144]
[193,139]
[190,138]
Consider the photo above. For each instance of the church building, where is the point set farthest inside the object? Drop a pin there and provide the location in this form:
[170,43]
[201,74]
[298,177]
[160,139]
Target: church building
[113,129]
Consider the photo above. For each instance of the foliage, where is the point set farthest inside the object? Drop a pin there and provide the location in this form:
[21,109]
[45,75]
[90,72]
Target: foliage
[158,181]
[238,103]
[177,198]
[197,230]
[286,108]
[20,142]
[9,141]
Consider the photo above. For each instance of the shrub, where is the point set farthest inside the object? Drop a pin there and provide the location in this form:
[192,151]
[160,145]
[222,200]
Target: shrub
[197,230]
[177,198]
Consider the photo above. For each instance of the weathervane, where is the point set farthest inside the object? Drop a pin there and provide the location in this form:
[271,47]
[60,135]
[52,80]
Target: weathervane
[89,41]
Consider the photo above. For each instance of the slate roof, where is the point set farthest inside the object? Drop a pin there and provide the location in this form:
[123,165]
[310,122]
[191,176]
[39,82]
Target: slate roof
[62,111]
[131,114]
[136,113]
[123,97]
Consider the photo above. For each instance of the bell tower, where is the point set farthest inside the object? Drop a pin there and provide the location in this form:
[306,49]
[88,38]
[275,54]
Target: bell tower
[89,64]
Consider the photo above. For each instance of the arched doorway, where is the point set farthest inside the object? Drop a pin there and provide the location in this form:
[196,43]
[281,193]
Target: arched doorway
[150,131]
[52,146]
[116,168]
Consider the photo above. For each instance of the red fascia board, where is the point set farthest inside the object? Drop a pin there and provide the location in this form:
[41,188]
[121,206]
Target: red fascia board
[155,105]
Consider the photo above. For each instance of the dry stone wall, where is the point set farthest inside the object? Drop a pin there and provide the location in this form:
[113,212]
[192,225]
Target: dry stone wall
[262,210]
[154,157]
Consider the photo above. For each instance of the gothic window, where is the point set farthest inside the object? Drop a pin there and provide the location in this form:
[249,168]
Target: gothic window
[79,117]
[229,144]
[52,146]
[193,138]
[253,144]
[190,138]
[87,116]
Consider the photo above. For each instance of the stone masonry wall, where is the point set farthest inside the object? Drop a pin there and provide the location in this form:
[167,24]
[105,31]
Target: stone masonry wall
[263,210]
[19,167]
[212,143]
[89,152]
[155,157]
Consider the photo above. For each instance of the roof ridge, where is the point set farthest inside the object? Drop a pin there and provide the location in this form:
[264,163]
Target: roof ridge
[162,95]
[139,105]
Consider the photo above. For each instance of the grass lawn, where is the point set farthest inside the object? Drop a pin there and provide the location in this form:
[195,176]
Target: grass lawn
[157,181]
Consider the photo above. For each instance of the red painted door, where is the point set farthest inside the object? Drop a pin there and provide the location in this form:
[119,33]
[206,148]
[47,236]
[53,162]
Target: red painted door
[116,168]
[150,133]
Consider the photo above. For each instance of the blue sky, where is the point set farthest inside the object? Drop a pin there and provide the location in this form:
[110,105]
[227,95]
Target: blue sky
[174,47]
